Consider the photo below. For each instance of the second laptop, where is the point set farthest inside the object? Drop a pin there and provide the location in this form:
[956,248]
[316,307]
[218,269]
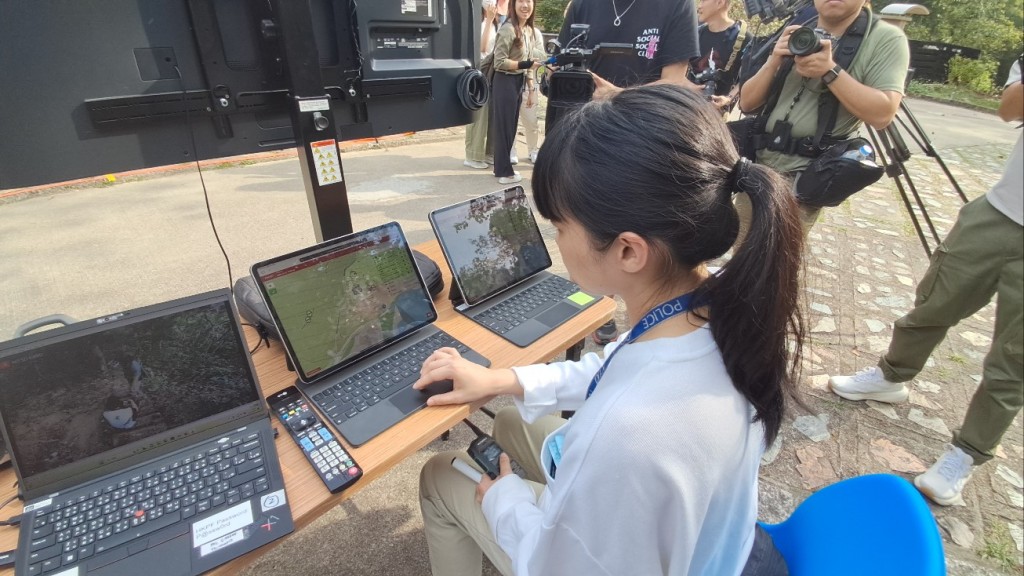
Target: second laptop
[356,320]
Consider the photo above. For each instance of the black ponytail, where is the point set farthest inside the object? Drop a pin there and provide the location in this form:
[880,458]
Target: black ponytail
[658,161]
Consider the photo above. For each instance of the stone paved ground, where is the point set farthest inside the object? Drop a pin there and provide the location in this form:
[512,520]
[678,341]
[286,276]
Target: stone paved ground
[863,264]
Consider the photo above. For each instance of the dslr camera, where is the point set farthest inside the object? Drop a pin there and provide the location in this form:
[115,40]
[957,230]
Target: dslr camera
[708,80]
[806,40]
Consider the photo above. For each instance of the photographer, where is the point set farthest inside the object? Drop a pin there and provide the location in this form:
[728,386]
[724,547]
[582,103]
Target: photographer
[663,33]
[870,91]
[983,255]
[722,42]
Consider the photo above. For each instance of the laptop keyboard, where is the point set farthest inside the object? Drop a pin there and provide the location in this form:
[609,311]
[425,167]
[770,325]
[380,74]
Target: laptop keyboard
[379,381]
[215,474]
[519,308]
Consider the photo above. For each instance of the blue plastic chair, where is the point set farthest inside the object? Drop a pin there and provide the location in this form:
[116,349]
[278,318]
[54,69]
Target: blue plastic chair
[876,525]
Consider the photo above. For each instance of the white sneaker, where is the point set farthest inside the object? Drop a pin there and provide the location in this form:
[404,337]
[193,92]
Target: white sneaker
[533,156]
[945,480]
[513,158]
[869,384]
[475,164]
[515,177]
[489,160]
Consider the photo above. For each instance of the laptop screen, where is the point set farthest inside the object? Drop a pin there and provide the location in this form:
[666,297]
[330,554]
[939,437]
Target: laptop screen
[491,242]
[72,397]
[343,299]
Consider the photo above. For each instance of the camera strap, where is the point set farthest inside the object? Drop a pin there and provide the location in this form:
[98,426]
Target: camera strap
[737,47]
[828,104]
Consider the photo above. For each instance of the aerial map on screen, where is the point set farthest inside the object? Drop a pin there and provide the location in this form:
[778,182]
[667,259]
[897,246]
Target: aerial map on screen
[334,304]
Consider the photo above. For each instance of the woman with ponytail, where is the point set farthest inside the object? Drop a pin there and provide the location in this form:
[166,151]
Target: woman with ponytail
[657,471]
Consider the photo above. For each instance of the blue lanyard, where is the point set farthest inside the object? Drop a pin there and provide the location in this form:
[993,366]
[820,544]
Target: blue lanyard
[679,305]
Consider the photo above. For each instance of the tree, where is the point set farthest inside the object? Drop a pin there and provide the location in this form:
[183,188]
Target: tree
[992,26]
[549,14]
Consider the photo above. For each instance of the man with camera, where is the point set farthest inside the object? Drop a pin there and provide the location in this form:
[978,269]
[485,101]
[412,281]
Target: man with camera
[801,74]
[662,33]
[722,42]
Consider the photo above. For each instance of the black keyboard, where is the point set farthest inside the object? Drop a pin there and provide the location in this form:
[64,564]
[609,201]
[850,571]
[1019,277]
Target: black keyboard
[525,305]
[379,381]
[215,474]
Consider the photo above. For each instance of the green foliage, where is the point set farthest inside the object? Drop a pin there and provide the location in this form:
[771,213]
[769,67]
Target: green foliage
[992,26]
[549,14]
[953,94]
[999,546]
[973,74]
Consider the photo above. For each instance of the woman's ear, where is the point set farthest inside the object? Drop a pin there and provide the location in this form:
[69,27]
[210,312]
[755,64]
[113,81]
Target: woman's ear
[631,252]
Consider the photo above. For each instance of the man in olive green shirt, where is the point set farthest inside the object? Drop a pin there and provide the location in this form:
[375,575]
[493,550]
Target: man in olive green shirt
[869,92]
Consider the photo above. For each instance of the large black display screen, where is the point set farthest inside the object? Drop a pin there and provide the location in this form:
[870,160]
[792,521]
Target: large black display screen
[91,88]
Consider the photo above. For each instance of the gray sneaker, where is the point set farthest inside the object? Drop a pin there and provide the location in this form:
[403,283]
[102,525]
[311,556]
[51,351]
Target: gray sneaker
[869,384]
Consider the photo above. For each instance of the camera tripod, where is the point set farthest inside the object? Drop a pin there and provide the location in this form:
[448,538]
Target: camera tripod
[894,154]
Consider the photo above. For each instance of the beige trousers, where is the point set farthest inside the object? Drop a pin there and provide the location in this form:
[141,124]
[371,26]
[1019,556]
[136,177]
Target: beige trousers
[457,532]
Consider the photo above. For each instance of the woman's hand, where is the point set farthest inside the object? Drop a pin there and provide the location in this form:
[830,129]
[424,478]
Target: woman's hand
[490,12]
[531,97]
[504,467]
[471,382]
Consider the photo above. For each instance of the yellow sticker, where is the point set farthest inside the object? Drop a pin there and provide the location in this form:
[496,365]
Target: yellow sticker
[581,298]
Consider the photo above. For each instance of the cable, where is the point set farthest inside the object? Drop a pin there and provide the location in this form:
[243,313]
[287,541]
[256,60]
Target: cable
[9,500]
[263,333]
[472,89]
[12,521]
[202,181]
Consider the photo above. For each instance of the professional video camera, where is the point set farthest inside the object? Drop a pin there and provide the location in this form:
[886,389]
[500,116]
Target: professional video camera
[768,10]
[571,85]
[757,53]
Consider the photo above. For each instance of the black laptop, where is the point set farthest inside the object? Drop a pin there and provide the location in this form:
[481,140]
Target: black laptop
[498,260]
[141,443]
[356,320]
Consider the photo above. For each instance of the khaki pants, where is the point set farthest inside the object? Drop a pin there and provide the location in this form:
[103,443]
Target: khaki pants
[745,211]
[528,120]
[453,521]
[982,256]
[478,146]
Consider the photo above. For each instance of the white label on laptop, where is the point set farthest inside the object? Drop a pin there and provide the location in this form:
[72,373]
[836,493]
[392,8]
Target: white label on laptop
[222,523]
[37,505]
[222,542]
[273,500]
[68,572]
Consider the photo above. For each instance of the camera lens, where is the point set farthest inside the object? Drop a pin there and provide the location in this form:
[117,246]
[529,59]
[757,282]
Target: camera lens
[804,40]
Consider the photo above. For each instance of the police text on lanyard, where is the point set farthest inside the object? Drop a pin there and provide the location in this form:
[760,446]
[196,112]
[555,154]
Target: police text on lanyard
[674,307]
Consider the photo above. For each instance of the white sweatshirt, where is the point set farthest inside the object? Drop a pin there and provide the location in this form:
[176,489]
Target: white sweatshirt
[658,472]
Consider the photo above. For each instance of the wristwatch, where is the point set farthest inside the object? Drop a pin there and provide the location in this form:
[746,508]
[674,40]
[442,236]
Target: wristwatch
[830,76]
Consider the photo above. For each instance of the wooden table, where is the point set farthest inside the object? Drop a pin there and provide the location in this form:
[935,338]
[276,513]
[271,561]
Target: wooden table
[306,493]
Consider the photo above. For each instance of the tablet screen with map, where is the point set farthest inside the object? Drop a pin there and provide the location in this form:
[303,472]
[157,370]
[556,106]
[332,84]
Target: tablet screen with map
[491,242]
[343,299]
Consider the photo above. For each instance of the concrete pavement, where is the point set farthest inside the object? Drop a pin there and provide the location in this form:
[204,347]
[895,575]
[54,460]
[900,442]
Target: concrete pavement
[95,249]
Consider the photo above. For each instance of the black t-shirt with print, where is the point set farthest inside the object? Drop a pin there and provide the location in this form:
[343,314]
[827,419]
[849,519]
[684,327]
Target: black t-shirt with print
[662,32]
[721,44]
